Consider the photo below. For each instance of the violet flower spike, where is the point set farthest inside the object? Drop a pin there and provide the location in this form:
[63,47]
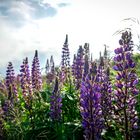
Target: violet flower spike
[79,65]
[86,60]
[107,96]
[26,84]
[65,63]
[36,74]
[90,107]
[10,83]
[56,103]
[50,74]
[126,81]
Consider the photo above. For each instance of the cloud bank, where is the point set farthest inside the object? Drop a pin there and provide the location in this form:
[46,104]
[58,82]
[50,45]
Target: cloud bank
[29,25]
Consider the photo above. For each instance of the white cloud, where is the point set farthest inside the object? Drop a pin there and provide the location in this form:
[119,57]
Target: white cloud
[83,20]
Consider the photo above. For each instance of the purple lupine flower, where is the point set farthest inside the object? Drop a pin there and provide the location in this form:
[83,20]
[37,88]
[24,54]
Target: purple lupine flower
[79,65]
[36,74]
[65,63]
[86,67]
[50,70]
[126,81]
[11,87]
[90,106]
[6,107]
[26,84]
[56,103]
[86,60]
[52,66]
[107,96]
[10,82]
[103,77]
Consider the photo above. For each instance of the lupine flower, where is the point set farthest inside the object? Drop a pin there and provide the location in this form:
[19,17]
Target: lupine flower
[56,103]
[86,49]
[103,76]
[86,67]
[105,52]
[52,66]
[65,53]
[86,60]
[26,85]
[107,96]
[7,107]
[79,65]
[65,63]
[10,83]
[11,88]
[106,58]
[50,70]
[36,74]
[126,81]
[90,106]
[47,66]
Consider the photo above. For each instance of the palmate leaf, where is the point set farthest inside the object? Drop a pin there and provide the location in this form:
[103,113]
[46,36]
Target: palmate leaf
[70,99]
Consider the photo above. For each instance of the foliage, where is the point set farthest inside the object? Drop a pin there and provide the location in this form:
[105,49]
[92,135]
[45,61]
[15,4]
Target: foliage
[84,94]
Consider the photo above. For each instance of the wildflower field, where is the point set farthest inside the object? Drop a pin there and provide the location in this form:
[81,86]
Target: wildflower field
[88,100]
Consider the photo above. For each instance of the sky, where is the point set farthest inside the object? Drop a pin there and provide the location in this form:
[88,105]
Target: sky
[29,25]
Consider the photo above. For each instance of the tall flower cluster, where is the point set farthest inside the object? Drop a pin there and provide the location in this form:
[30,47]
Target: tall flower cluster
[25,81]
[106,57]
[86,60]
[52,66]
[106,90]
[11,88]
[56,103]
[126,81]
[90,105]
[86,67]
[65,63]
[78,66]
[107,96]
[36,74]
[105,52]
[10,82]
[50,70]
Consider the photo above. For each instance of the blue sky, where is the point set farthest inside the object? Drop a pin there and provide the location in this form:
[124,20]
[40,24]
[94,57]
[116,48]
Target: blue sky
[27,25]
